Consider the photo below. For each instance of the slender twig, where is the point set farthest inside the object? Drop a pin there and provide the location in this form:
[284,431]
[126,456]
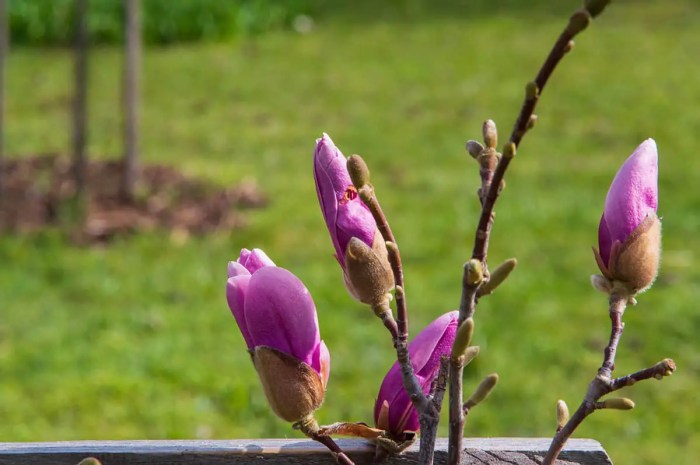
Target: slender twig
[491,187]
[428,411]
[310,428]
[603,384]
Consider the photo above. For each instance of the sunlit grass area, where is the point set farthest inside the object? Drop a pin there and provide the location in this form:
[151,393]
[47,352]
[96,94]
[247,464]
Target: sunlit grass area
[135,341]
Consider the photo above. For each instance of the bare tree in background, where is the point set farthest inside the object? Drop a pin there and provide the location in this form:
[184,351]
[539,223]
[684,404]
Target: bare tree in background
[4,36]
[80,97]
[131,91]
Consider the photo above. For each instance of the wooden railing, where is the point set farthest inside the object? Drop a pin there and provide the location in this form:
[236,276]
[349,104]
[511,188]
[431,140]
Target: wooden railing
[491,451]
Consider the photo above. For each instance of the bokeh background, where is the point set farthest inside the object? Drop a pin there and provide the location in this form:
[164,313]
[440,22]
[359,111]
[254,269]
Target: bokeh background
[133,339]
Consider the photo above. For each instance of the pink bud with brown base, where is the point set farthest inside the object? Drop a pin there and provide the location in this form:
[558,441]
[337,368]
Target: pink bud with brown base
[629,234]
[393,410]
[277,318]
[359,247]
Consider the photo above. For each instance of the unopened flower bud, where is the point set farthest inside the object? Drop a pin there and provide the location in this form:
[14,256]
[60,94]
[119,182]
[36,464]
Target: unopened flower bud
[348,219]
[393,410]
[629,234]
[277,318]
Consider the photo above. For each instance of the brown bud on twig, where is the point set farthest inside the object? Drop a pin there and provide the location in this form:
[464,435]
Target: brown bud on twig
[497,277]
[368,275]
[293,389]
[358,170]
[482,391]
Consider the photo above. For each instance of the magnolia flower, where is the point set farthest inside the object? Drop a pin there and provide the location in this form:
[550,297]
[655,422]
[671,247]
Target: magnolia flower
[394,411]
[629,234]
[359,247]
[277,318]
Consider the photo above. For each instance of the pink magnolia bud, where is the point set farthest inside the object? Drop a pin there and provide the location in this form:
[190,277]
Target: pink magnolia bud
[394,411]
[369,278]
[277,318]
[629,234]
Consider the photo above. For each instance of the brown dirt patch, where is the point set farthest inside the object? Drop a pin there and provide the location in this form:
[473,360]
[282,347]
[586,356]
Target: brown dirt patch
[39,192]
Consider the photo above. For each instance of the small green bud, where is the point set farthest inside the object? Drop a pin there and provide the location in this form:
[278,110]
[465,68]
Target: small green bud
[579,21]
[596,7]
[497,277]
[509,150]
[617,403]
[475,272]
[482,391]
[474,148]
[562,414]
[359,172]
[490,134]
[462,339]
[531,90]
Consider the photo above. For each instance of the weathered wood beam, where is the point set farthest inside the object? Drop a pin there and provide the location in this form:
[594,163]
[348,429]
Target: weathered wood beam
[491,451]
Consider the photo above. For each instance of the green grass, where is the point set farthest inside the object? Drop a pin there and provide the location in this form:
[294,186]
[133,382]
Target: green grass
[136,341]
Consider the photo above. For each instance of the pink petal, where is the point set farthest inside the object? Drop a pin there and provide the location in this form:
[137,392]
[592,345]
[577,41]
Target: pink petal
[254,260]
[345,214]
[633,193]
[426,349]
[280,313]
[236,289]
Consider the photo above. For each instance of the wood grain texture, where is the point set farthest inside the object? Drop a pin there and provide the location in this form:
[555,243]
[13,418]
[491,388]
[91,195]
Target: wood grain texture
[491,451]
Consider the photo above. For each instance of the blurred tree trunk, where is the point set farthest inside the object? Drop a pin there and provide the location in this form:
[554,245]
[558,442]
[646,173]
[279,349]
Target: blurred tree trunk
[132,61]
[4,39]
[80,96]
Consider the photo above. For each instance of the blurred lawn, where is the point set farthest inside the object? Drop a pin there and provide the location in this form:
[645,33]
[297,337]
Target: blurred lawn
[136,341]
